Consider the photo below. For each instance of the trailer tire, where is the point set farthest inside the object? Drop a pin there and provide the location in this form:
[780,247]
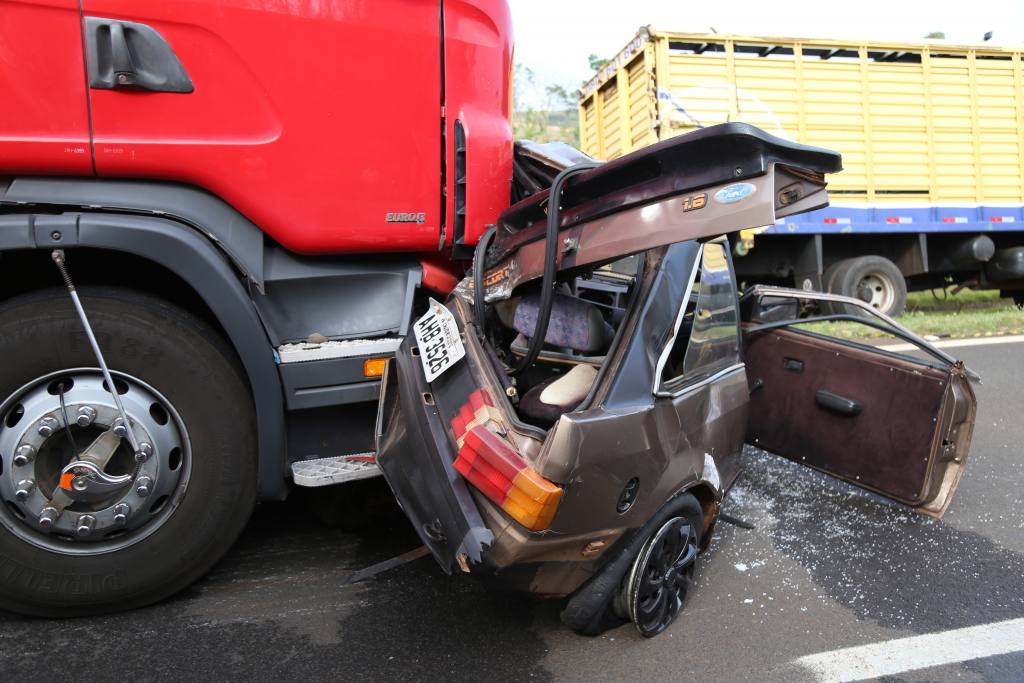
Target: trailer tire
[180,380]
[873,279]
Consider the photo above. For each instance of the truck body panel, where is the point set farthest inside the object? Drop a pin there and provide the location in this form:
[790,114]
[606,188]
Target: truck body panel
[44,123]
[932,138]
[282,132]
[478,111]
[912,121]
[296,117]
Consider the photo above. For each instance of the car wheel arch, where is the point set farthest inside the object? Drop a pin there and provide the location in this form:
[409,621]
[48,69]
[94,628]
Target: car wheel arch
[204,269]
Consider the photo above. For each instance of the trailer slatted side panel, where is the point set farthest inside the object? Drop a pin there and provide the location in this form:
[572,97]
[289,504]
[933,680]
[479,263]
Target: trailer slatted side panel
[998,129]
[590,134]
[701,91]
[611,119]
[643,101]
[952,114]
[765,95]
[899,134]
[917,124]
[834,118]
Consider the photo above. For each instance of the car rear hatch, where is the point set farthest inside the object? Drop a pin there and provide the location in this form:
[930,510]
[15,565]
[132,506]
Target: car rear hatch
[416,455]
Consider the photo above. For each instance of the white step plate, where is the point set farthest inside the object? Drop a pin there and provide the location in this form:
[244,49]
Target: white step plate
[336,470]
[302,352]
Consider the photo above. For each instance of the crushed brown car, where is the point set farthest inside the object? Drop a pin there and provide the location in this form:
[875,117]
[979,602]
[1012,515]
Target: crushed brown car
[568,422]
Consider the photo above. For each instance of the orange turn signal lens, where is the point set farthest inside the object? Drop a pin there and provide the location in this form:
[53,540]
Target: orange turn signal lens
[374,367]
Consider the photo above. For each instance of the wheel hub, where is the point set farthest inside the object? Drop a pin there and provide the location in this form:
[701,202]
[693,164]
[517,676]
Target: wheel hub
[877,290]
[70,481]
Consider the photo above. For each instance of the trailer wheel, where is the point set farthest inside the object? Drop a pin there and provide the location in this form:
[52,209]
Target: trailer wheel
[68,551]
[873,279]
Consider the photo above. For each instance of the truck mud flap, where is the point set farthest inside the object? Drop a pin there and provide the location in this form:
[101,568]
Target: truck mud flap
[413,451]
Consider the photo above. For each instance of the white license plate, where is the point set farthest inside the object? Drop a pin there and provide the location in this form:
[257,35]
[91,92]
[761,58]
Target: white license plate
[437,337]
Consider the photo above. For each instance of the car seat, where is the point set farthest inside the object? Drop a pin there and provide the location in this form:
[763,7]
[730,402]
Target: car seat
[576,325]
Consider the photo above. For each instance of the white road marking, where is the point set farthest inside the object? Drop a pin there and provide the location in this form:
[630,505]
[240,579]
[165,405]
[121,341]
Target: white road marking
[953,343]
[918,652]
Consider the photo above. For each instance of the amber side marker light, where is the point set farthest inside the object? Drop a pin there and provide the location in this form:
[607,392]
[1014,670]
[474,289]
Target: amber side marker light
[494,468]
[374,367]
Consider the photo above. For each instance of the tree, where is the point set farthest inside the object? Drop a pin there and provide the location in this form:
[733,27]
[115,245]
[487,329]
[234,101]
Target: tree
[560,98]
[596,63]
[936,35]
[556,120]
[527,122]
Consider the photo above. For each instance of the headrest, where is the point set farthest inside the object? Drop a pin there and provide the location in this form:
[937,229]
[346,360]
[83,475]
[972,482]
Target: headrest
[575,323]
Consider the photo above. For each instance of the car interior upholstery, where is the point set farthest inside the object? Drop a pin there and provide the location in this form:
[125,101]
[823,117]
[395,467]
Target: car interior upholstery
[578,335]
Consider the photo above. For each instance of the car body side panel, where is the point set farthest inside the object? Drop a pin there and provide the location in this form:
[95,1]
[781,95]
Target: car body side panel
[666,443]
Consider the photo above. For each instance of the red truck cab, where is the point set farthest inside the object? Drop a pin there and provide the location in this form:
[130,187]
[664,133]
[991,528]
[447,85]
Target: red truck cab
[332,127]
[251,198]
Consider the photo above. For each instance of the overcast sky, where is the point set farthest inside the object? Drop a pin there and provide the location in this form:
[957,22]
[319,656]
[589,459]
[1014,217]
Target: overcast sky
[554,37]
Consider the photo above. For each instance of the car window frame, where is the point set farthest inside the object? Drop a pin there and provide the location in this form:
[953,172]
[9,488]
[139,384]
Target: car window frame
[939,358]
[682,384]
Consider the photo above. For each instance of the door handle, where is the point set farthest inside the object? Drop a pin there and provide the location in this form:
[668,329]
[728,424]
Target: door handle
[837,403]
[129,55]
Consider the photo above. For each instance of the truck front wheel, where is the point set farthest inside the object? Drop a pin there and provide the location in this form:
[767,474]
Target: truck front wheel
[67,551]
[873,279]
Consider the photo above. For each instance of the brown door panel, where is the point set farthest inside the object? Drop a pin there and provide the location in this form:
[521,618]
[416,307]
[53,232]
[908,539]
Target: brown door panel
[895,426]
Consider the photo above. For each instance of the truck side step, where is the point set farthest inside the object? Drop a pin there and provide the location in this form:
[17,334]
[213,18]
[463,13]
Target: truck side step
[305,351]
[336,470]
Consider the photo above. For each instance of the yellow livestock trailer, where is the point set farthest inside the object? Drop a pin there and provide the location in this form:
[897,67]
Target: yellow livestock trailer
[932,138]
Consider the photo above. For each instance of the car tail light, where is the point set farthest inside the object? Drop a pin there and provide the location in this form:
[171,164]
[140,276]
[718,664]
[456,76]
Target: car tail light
[497,470]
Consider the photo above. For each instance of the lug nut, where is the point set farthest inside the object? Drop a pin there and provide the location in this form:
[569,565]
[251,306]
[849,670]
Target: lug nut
[143,485]
[85,525]
[48,426]
[145,451]
[24,455]
[25,487]
[119,428]
[121,512]
[86,414]
[48,516]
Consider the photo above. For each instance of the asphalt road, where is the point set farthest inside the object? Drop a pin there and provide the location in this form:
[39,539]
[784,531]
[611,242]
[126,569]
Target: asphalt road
[828,566]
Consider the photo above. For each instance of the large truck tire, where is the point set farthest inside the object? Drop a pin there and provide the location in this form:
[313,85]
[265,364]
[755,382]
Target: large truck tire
[185,395]
[873,279]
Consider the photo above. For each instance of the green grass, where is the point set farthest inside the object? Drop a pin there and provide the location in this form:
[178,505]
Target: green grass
[947,316]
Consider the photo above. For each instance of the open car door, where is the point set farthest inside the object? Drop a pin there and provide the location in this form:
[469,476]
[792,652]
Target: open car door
[897,424]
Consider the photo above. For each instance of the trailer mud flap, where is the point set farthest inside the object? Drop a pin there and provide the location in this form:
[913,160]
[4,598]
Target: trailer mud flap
[413,452]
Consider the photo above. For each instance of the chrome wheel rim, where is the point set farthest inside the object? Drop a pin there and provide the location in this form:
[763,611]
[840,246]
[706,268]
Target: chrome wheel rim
[34,447]
[660,577]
